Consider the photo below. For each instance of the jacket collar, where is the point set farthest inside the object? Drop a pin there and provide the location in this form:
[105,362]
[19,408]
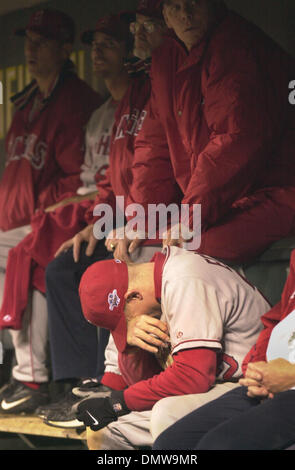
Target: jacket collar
[21,99]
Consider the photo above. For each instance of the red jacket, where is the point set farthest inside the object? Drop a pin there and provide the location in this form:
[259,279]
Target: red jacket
[44,156]
[273,317]
[26,263]
[224,107]
[121,176]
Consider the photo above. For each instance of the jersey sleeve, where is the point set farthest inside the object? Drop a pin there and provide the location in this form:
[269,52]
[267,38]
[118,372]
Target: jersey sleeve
[193,371]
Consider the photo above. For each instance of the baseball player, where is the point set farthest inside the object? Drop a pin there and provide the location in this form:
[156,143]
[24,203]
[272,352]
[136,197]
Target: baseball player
[212,92]
[259,414]
[212,315]
[52,227]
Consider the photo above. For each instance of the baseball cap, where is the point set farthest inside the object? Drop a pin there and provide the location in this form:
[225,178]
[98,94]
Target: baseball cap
[149,8]
[102,289]
[116,26]
[53,24]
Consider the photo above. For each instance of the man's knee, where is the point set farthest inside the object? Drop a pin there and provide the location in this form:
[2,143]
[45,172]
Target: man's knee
[94,439]
[161,416]
[169,410]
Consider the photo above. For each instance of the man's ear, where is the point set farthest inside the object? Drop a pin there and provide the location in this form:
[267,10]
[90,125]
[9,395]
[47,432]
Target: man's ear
[166,19]
[131,295]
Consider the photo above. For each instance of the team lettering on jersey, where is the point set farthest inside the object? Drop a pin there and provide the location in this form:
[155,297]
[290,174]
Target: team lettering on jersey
[27,147]
[102,146]
[130,124]
[101,151]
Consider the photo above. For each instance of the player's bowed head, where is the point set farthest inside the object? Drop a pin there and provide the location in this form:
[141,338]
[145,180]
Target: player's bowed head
[121,298]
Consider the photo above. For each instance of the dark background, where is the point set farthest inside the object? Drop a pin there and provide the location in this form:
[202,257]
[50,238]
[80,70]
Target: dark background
[275,17]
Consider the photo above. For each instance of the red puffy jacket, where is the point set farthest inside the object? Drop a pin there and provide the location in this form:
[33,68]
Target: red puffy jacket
[44,156]
[224,107]
[121,177]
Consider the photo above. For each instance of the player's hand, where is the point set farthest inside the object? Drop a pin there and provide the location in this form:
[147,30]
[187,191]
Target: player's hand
[277,375]
[71,200]
[147,333]
[253,380]
[86,235]
[171,240]
[53,207]
[99,412]
[122,247]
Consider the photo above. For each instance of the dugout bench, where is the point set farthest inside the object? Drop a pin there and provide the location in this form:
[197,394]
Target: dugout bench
[25,426]
[269,273]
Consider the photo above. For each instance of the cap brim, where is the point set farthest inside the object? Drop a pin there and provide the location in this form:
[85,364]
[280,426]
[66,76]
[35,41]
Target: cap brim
[22,32]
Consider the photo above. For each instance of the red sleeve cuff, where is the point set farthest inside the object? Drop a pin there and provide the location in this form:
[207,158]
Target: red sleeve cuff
[114,381]
[192,371]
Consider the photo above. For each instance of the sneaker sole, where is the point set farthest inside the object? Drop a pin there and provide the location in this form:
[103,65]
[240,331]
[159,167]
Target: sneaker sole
[74,424]
[82,394]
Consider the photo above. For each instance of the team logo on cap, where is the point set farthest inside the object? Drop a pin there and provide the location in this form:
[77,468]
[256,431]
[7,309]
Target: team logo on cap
[113,300]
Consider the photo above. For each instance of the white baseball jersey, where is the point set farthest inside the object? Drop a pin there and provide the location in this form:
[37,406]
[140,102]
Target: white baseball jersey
[207,304]
[98,139]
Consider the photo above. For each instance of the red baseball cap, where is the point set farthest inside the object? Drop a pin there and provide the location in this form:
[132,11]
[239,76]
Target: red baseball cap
[149,8]
[53,24]
[116,26]
[102,290]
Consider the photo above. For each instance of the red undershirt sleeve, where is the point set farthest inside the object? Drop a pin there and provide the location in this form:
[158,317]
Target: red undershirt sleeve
[193,371]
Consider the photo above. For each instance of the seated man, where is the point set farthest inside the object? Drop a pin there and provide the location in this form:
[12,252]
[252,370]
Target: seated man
[44,145]
[259,415]
[212,90]
[212,315]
